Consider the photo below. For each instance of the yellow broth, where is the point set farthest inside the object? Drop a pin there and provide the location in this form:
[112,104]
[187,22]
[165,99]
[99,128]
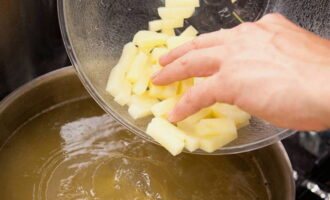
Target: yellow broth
[75,151]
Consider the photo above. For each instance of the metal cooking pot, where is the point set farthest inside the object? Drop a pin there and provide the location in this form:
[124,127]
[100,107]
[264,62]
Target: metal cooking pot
[63,85]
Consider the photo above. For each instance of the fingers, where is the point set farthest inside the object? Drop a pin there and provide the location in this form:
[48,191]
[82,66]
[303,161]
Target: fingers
[202,41]
[207,40]
[200,96]
[197,63]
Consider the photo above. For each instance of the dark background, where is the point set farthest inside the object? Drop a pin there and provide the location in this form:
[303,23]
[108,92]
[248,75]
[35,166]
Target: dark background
[30,42]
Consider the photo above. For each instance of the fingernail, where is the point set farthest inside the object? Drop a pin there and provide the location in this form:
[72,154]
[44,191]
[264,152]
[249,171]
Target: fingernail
[155,75]
[171,117]
[161,59]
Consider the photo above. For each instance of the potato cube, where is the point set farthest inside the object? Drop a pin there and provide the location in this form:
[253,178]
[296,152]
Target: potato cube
[137,67]
[176,41]
[155,25]
[142,83]
[162,108]
[182,3]
[175,13]
[191,143]
[172,23]
[167,135]
[169,31]
[215,127]
[166,26]
[240,117]
[119,71]
[163,92]
[147,40]
[116,78]
[185,85]
[212,143]
[140,106]
[124,96]
[188,124]
[189,32]
[157,53]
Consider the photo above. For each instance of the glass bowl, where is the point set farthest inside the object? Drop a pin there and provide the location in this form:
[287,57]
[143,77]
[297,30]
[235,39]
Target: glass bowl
[94,32]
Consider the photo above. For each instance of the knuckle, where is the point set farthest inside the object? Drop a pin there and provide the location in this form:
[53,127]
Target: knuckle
[247,27]
[183,61]
[272,17]
[195,44]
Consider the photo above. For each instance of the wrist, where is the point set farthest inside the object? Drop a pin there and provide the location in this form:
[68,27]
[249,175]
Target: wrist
[321,95]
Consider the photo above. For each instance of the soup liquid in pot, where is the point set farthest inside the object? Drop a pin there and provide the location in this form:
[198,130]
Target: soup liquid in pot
[74,151]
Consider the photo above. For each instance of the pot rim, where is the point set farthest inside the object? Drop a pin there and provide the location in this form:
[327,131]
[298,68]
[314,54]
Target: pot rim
[25,88]
[53,75]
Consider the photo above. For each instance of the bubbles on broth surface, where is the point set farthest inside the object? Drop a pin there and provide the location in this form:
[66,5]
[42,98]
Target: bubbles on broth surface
[60,156]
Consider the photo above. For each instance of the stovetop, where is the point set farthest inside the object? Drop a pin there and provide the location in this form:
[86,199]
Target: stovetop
[309,153]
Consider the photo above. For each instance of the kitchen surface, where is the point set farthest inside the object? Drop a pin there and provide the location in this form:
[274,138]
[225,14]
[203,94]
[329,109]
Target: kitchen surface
[31,45]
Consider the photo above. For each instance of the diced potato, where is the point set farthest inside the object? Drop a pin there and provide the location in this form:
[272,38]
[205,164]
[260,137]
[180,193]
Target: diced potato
[155,68]
[137,67]
[176,41]
[163,92]
[172,23]
[189,32]
[175,13]
[243,124]
[157,53]
[169,31]
[162,108]
[118,72]
[182,3]
[167,135]
[116,78]
[212,143]
[215,127]
[140,106]
[191,143]
[188,124]
[124,96]
[155,25]
[147,40]
[142,83]
[240,117]
[166,25]
[185,85]
[130,83]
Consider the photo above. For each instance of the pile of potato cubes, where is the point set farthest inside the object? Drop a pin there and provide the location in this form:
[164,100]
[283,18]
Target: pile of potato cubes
[130,84]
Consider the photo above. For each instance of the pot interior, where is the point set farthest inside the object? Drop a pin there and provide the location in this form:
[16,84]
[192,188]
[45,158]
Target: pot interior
[56,143]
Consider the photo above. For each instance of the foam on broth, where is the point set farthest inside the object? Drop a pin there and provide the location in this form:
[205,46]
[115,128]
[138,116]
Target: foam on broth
[75,151]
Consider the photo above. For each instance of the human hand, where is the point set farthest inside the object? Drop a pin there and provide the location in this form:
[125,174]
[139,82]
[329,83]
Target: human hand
[272,69]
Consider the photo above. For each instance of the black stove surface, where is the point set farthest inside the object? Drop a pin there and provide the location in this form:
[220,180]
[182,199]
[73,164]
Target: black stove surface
[309,153]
